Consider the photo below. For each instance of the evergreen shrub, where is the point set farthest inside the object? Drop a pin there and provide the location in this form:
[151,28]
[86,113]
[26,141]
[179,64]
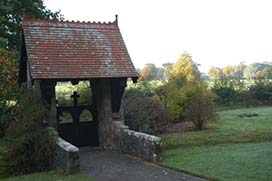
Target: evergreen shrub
[145,114]
[30,147]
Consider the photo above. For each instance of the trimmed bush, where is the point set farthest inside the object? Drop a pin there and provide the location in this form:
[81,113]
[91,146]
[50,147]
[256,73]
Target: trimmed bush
[248,115]
[145,114]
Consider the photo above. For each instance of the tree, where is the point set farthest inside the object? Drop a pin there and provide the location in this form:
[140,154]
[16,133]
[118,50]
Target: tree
[240,70]
[159,75]
[229,72]
[234,71]
[172,94]
[10,30]
[8,80]
[172,99]
[267,73]
[167,68]
[200,107]
[11,19]
[251,70]
[226,92]
[8,75]
[261,92]
[216,73]
[258,74]
[179,100]
[149,72]
[185,68]
[11,25]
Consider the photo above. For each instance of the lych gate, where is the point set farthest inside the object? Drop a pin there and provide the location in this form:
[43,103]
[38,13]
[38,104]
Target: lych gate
[56,51]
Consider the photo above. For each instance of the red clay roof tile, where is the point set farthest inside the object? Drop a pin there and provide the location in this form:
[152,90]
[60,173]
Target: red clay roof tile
[74,50]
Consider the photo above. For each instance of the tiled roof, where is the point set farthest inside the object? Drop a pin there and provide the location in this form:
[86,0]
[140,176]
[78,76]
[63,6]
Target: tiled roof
[74,50]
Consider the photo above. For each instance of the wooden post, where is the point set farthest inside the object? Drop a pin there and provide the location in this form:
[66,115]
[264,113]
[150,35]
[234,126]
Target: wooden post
[49,96]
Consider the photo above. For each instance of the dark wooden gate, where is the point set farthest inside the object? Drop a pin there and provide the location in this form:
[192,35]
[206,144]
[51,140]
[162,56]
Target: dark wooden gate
[79,132]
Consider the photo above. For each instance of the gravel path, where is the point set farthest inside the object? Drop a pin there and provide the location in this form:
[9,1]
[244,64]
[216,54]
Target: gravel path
[115,166]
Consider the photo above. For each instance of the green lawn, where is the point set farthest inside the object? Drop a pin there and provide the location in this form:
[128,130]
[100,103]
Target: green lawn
[229,128]
[49,176]
[247,161]
[221,152]
[230,120]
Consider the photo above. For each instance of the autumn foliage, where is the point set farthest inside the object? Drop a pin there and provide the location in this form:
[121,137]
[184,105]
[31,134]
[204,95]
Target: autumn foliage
[149,72]
[9,73]
[185,68]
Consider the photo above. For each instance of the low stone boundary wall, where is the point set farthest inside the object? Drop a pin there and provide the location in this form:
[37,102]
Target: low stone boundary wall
[142,145]
[67,157]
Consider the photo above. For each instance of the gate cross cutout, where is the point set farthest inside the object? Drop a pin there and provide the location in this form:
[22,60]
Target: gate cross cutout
[75,96]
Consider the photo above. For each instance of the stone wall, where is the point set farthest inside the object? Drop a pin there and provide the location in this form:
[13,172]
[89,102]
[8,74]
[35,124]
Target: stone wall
[112,132]
[67,157]
[139,144]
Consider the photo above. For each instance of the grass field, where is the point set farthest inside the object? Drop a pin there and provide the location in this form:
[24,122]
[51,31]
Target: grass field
[251,161]
[233,149]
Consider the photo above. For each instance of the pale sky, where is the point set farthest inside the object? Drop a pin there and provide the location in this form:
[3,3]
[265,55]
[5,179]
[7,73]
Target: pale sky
[214,32]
